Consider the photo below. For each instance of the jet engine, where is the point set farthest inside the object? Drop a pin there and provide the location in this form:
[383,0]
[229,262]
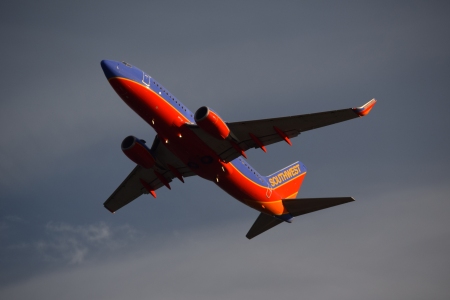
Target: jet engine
[210,122]
[136,150]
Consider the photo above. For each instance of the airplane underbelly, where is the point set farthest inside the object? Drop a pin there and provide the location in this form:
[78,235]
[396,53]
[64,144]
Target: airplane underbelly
[171,128]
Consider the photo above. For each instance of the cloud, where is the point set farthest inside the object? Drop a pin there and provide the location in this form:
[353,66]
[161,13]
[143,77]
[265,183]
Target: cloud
[389,245]
[96,232]
[69,249]
[61,126]
[72,244]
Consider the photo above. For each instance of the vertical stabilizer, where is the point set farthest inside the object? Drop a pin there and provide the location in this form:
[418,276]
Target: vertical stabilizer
[287,181]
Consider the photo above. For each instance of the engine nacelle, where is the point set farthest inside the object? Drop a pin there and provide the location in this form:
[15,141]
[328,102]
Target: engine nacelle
[136,150]
[210,122]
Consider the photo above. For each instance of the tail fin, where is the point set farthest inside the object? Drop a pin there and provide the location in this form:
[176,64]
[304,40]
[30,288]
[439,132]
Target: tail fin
[295,207]
[287,181]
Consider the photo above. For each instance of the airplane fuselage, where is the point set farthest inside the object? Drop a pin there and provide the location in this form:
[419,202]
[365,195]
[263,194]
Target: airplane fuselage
[204,144]
[170,119]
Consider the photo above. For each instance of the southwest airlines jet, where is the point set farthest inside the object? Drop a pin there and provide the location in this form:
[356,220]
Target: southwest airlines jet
[203,144]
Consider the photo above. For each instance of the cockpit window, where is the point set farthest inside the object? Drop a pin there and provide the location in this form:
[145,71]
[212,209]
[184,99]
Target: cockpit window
[126,64]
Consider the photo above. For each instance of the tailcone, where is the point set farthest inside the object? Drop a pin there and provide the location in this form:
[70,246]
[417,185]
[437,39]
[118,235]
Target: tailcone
[285,217]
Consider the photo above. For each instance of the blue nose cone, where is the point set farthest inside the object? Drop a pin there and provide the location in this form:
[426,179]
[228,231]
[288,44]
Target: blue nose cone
[110,68]
[114,69]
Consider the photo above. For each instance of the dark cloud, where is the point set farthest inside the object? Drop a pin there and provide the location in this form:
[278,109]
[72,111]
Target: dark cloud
[61,126]
[391,248]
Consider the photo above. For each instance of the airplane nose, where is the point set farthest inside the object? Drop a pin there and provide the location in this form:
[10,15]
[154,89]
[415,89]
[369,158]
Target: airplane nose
[110,68]
[114,69]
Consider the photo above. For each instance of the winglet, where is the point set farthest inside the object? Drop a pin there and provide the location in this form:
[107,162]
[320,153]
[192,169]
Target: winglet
[366,108]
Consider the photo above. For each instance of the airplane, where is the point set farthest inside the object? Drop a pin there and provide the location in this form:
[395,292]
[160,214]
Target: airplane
[203,144]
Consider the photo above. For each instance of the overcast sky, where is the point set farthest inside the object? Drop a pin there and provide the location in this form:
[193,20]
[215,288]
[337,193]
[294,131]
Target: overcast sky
[61,125]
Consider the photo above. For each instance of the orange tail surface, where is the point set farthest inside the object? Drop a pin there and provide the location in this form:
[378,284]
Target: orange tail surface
[287,182]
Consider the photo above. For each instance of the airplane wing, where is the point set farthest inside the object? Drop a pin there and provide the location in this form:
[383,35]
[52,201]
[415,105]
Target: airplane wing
[257,133]
[132,187]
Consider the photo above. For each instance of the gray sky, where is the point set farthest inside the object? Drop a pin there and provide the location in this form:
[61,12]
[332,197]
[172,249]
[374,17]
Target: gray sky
[62,124]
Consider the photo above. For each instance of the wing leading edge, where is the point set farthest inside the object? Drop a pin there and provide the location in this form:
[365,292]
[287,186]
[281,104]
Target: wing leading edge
[258,133]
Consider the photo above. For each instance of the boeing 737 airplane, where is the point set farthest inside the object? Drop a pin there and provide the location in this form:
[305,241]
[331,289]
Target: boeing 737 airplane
[203,144]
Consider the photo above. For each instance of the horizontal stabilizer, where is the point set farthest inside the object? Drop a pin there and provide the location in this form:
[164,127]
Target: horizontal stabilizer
[297,207]
[263,223]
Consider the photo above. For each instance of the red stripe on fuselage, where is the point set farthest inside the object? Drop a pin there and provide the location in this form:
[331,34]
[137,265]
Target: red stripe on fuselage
[170,124]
